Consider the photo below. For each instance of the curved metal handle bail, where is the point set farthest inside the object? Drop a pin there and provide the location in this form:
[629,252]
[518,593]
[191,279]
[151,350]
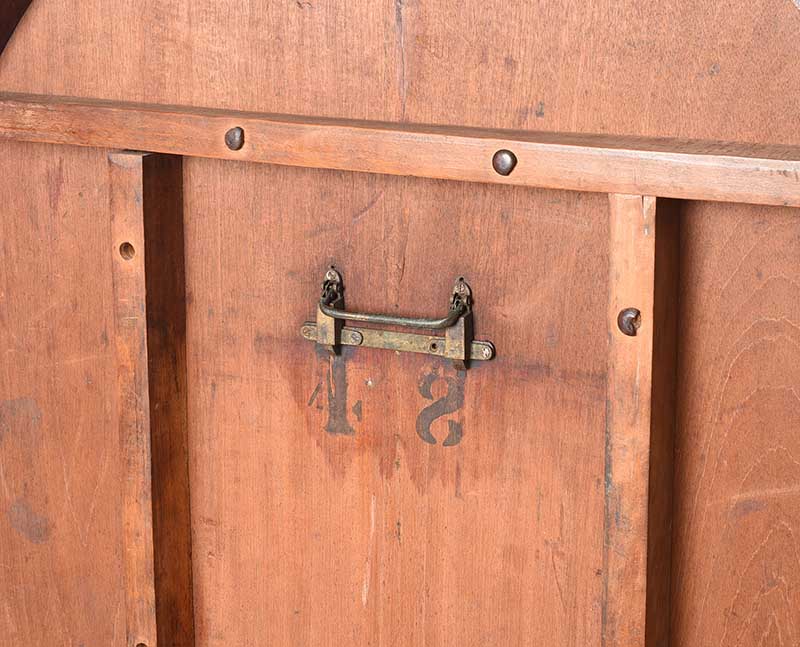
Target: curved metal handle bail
[332,293]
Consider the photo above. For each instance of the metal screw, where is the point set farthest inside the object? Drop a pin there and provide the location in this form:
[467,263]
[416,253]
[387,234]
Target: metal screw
[486,352]
[504,162]
[331,275]
[355,337]
[629,321]
[234,138]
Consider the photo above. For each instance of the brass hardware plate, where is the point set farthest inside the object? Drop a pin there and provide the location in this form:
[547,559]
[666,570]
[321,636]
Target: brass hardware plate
[402,342]
[455,344]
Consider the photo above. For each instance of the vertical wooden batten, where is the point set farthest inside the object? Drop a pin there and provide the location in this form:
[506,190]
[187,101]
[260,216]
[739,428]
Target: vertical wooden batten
[149,289]
[639,423]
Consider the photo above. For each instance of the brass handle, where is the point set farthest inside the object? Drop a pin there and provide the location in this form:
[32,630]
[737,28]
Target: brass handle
[457,343]
[332,294]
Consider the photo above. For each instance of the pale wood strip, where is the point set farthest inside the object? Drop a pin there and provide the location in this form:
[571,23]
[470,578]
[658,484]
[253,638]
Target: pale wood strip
[133,400]
[668,168]
[630,372]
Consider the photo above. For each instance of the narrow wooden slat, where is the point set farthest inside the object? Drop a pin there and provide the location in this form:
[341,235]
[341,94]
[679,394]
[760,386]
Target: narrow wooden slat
[668,168]
[149,289]
[628,418]
[133,401]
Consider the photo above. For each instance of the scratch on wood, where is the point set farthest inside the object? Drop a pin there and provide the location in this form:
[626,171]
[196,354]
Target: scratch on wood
[368,565]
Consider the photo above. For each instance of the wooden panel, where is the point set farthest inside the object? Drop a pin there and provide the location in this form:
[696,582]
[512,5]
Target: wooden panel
[521,65]
[321,515]
[680,169]
[737,487]
[61,578]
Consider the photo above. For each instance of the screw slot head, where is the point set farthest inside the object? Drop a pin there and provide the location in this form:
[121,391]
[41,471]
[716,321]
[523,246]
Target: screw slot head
[234,138]
[629,320]
[487,352]
[504,162]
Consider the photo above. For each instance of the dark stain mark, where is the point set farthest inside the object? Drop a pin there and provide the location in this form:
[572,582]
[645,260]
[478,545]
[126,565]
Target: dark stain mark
[337,398]
[261,344]
[55,184]
[30,525]
[452,402]
[714,69]
[358,215]
[398,532]
[22,414]
[510,63]
[104,339]
[357,410]
[458,481]
[746,507]
[524,113]
[401,45]
[303,5]
[315,394]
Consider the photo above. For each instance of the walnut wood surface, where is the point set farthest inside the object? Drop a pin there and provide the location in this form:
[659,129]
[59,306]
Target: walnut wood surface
[678,169]
[61,552]
[322,516]
[709,71]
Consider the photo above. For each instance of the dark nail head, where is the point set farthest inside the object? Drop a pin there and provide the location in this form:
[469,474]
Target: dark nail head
[234,138]
[504,162]
[629,321]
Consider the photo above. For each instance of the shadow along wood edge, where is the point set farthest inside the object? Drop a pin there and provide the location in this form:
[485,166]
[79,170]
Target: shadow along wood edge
[659,167]
[146,209]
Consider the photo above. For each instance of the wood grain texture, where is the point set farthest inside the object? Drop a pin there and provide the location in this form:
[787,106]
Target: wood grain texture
[674,69]
[322,516]
[632,236]
[11,12]
[677,169]
[61,579]
[130,336]
[737,574]
[724,72]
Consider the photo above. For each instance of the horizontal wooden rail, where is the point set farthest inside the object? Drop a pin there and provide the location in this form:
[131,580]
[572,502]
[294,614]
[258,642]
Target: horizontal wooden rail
[658,167]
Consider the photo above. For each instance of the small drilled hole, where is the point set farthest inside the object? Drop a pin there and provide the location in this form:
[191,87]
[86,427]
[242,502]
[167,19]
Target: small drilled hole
[127,252]
[141,645]
[434,346]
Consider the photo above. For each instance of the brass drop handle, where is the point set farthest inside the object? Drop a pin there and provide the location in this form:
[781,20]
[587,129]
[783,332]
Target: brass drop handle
[457,343]
[332,293]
